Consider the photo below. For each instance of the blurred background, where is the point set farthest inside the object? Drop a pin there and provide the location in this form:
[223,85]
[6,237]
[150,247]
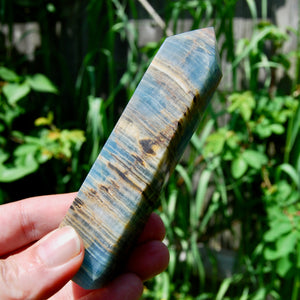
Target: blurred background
[232,206]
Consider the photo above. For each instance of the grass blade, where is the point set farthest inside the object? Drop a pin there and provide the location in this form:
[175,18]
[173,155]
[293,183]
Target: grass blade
[290,171]
[201,193]
[252,45]
[224,288]
[252,8]
[185,176]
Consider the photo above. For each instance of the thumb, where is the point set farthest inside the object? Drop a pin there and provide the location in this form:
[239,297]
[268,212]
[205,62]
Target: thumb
[42,269]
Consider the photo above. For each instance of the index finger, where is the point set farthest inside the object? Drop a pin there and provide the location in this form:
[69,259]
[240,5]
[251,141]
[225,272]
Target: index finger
[28,220]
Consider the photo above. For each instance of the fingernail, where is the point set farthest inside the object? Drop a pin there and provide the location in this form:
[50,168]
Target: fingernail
[59,247]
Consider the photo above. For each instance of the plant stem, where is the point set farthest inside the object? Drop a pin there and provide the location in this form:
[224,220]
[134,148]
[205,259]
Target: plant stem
[156,17]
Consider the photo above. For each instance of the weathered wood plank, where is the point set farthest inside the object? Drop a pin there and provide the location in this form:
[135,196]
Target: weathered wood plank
[124,183]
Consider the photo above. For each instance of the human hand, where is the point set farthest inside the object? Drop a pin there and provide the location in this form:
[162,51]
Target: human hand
[38,260]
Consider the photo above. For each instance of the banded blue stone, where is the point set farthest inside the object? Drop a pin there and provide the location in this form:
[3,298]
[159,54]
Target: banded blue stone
[123,186]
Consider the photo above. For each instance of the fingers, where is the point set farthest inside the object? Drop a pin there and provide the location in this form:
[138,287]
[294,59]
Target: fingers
[43,268]
[148,259]
[154,229]
[127,286]
[46,266]
[28,220]
[35,217]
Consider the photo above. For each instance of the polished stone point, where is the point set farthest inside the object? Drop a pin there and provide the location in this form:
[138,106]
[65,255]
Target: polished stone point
[123,186]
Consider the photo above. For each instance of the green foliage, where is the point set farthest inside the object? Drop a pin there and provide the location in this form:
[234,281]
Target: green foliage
[21,154]
[237,187]
[15,87]
[243,172]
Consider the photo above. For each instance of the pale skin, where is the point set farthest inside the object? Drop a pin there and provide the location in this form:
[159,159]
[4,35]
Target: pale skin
[38,260]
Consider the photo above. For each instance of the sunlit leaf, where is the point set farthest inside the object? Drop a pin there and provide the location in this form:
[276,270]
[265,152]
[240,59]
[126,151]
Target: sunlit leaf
[18,171]
[26,149]
[290,171]
[15,92]
[185,176]
[198,141]
[223,288]
[201,192]
[8,75]
[41,83]
[252,8]
[284,265]
[286,244]
[215,142]
[233,140]
[253,44]
[254,158]
[263,128]
[260,294]
[275,232]
[41,121]
[277,128]
[238,167]
[242,103]
[271,253]
[285,241]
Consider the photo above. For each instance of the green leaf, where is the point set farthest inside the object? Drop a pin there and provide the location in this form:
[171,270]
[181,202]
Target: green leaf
[229,155]
[277,128]
[290,171]
[15,92]
[252,8]
[41,83]
[287,243]
[242,103]
[198,141]
[185,176]
[262,128]
[215,142]
[201,193]
[271,253]
[3,156]
[238,167]
[172,201]
[11,112]
[284,265]
[21,169]
[8,75]
[283,192]
[252,45]
[26,149]
[278,229]
[223,288]
[283,244]
[233,140]
[41,121]
[254,159]
[260,294]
